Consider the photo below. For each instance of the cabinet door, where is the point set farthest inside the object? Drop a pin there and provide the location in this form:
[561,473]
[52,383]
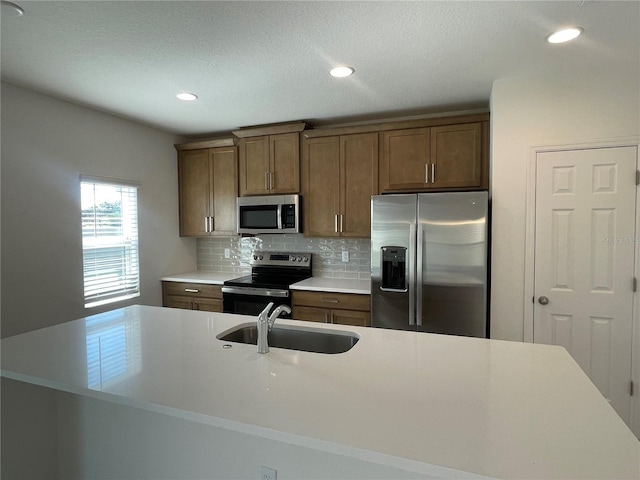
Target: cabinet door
[194,185]
[456,153]
[177,301]
[358,181]
[207,304]
[254,166]
[224,165]
[284,151]
[320,186]
[405,158]
[312,314]
[351,317]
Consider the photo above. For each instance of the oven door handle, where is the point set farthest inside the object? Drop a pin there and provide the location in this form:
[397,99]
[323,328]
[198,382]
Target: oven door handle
[261,292]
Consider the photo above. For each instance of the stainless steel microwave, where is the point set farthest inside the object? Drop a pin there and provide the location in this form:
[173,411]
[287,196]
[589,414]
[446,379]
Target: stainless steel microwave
[269,214]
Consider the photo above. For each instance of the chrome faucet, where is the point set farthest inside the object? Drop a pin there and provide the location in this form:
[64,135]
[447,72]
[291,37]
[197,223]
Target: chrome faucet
[265,324]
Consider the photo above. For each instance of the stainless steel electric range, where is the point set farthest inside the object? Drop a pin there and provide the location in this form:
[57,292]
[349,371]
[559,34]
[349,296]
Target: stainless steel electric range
[272,273]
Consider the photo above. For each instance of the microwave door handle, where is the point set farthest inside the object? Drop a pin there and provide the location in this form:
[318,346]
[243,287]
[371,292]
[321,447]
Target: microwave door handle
[280,216]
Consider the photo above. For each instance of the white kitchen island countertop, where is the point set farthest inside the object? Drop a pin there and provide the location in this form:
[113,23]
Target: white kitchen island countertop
[417,401]
[334,285]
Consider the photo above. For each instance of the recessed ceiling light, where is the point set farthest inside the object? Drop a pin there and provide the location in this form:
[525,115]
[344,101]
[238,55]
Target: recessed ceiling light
[341,72]
[186,96]
[10,9]
[565,35]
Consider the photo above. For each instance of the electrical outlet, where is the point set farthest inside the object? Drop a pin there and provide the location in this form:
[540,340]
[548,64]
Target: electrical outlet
[267,473]
[227,253]
[345,256]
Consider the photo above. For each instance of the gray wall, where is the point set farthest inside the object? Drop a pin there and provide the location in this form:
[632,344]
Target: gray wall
[46,145]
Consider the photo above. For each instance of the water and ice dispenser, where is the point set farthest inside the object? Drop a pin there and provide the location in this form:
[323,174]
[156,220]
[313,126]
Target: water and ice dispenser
[394,269]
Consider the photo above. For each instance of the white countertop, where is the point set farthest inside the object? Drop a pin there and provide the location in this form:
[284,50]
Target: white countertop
[416,400]
[212,278]
[335,285]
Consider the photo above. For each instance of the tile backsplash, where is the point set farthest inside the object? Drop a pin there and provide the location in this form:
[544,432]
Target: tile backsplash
[327,253]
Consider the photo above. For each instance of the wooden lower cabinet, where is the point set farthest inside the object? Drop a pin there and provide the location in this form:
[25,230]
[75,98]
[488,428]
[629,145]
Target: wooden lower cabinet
[192,296]
[337,308]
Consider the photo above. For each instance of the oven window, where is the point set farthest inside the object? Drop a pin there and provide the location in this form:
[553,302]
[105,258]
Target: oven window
[262,216]
[251,304]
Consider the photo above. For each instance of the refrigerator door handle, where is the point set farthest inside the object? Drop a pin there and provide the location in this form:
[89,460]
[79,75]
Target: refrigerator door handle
[419,273]
[412,273]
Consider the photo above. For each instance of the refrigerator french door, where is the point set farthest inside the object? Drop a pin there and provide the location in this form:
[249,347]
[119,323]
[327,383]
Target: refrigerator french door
[429,262]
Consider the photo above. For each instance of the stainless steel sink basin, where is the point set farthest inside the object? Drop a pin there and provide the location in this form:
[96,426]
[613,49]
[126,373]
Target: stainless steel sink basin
[293,338]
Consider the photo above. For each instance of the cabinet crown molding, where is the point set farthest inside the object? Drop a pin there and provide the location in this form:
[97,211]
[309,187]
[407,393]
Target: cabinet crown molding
[274,129]
[213,143]
[397,125]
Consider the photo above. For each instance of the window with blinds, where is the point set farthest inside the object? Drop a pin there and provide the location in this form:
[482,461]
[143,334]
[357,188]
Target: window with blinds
[109,240]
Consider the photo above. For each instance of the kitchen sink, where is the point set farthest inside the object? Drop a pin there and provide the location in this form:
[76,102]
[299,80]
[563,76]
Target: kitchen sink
[294,338]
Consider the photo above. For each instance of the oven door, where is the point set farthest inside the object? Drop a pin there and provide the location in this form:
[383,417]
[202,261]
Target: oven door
[251,301]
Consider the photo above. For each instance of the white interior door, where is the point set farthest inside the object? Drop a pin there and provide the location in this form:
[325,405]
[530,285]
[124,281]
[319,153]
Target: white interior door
[584,262]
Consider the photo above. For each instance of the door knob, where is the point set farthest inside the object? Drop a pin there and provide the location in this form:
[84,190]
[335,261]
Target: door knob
[543,300]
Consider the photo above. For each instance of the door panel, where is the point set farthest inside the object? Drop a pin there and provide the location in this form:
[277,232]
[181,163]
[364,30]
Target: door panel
[393,221]
[254,166]
[584,262]
[321,166]
[195,191]
[284,150]
[454,262]
[225,188]
[358,182]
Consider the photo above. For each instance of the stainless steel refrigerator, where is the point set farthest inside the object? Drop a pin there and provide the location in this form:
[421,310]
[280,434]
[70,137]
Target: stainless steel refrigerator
[429,262]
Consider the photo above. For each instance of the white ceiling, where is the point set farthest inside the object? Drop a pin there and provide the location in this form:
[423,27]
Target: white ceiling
[265,62]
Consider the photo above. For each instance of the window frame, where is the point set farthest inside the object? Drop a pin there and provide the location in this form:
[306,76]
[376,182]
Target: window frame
[117,278]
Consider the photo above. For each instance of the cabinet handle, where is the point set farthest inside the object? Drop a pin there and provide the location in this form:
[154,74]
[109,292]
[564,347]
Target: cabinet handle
[271,182]
[329,300]
[211,224]
[191,290]
[335,223]
[341,219]
[426,173]
[206,224]
[266,181]
[433,173]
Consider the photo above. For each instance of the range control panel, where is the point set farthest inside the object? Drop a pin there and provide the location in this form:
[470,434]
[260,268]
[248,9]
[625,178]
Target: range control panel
[280,259]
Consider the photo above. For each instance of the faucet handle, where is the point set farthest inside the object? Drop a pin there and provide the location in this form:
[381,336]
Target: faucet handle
[264,315]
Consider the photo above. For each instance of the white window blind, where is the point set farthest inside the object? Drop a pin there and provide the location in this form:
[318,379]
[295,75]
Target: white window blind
[109,240]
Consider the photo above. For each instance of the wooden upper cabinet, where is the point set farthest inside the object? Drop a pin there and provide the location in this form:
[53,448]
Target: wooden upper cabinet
[320,186]
[456,156]
[448,157]
[405,159]
[339,175]
[254,165]
[194,192]
[207,183]
[270,164]
[224,171]
[358,182]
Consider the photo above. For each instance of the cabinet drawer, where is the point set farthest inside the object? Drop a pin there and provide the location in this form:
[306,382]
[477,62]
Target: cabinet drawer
[192,289]
[343,301]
